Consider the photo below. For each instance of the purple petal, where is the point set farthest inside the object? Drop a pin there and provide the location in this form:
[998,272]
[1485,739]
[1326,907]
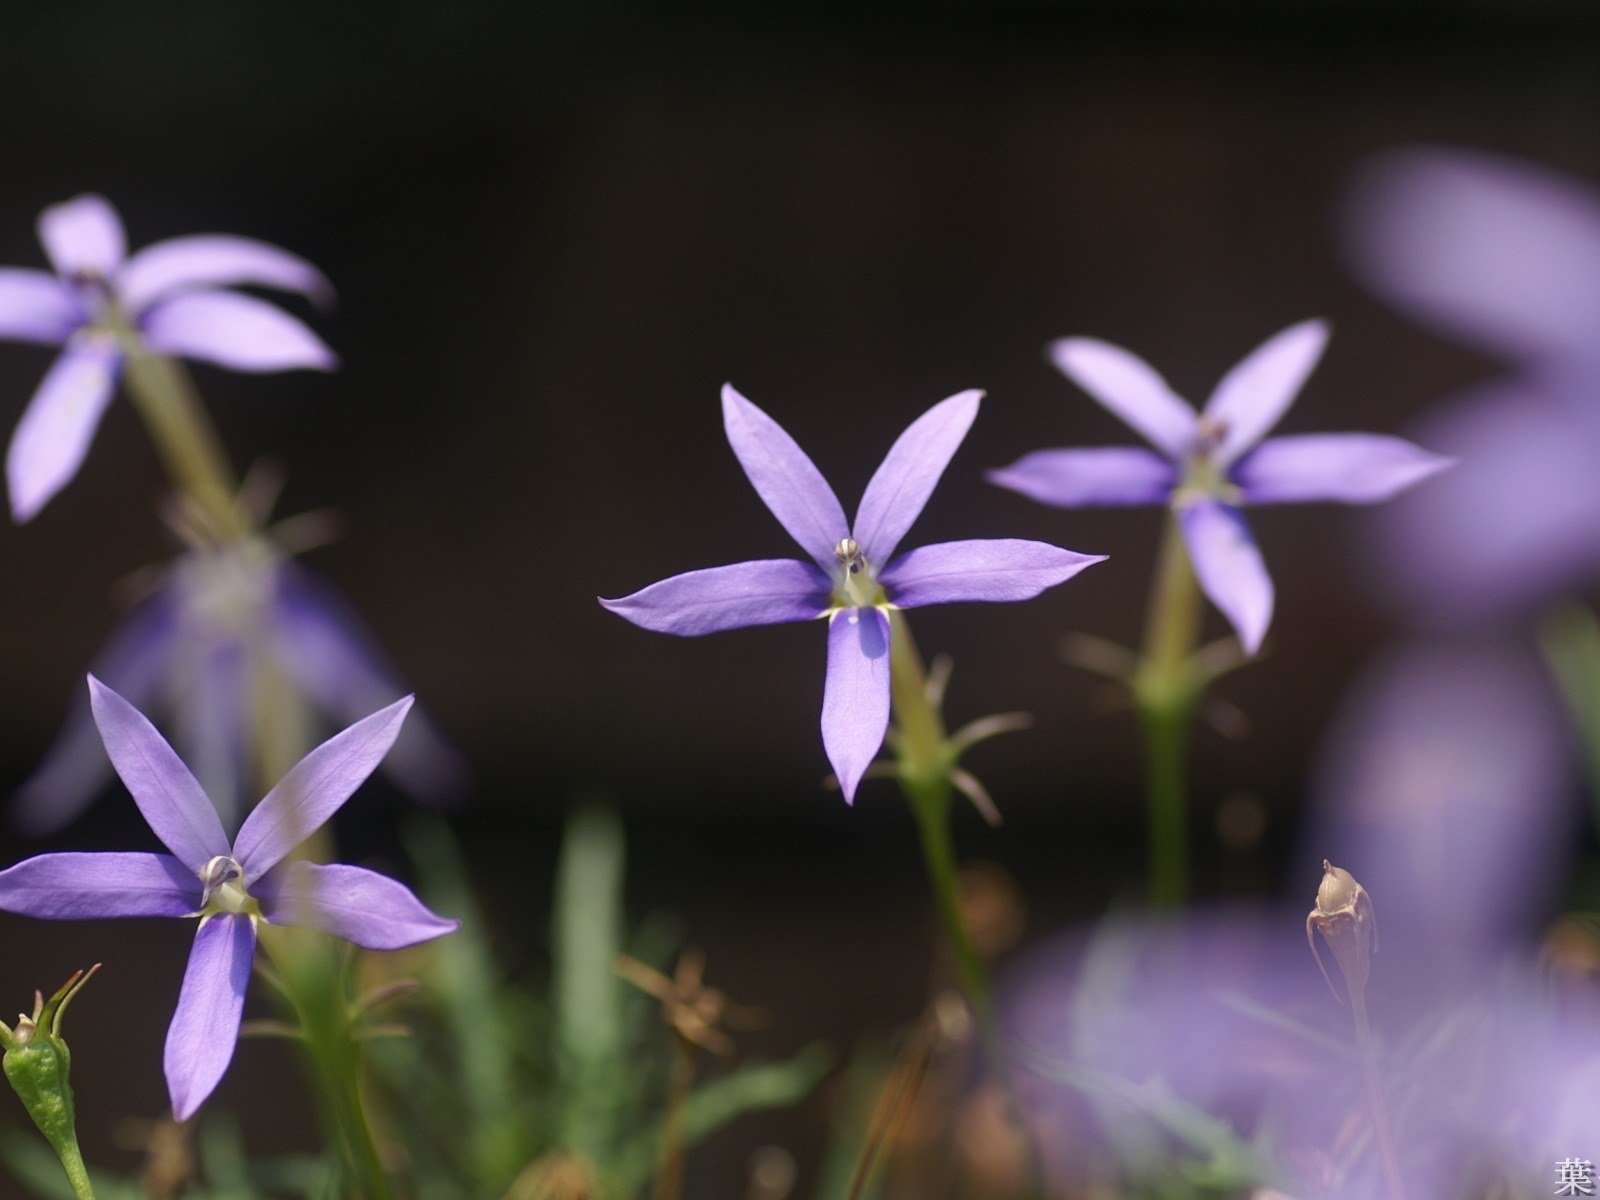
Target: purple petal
[205,1028]
[186,264]
[173,804]
[360,906]
[1506,254]
[76,767]
[235,331]
[1351,468]
[334,660]
[53,437]
[35,306]
[855,699]
[900,487]
[211,685]
[87,886]
[786,480]
[314,789]
[1255,394]
[83,236]
[1228,565]
[1130,388]
[981,569]
[1089,478]
[768,591]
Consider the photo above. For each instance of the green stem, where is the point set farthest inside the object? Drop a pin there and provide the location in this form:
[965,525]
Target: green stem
[1165,690]
[77,1172]
[165,398]
[674,1141]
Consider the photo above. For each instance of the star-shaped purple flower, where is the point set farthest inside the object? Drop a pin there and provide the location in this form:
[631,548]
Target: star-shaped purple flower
[1212,462]
[855,578]
[228,886]
[195,652]
[102,304]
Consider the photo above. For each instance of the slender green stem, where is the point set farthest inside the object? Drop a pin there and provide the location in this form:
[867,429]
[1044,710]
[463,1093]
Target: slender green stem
[1165,690]
[674,1142]
[77,1173]
[1382,1130]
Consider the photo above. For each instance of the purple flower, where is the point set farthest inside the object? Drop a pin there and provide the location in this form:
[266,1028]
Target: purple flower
[224,622]
[102,304]
[1213,462]
[228,886]
[855,577]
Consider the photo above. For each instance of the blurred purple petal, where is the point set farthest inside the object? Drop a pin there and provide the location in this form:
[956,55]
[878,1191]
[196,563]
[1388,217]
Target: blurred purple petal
[855,697]
[83,236]
[205,1027]
[1228,564]
[53,437]
[1255,394]
[35,306]
[314,789]
[186,264]
[76,767]
[1485,247]
[765,592]
[361,907]
[1089,478]
[900,487]
[1351,468]
[321,642]
[75,887]
[1513,524]
[980,569]
[786,480]
[1130,388]
[211,692]
[173,804]
[236,331]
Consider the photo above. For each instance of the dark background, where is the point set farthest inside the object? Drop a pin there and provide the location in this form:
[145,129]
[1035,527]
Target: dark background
[556,229]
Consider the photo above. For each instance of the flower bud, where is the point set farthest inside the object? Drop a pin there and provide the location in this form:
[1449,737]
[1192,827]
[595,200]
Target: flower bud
[37,1064]
[1344,916]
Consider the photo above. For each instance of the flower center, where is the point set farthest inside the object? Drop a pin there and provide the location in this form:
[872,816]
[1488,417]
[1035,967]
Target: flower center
[1203,475]
[223,881]
[856,584]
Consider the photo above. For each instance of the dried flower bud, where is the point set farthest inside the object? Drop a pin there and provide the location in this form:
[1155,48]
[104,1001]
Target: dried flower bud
[1345,917]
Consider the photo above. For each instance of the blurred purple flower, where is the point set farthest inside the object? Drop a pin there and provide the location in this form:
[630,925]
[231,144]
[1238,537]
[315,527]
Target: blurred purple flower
[855,578]
[206,647]
[228,886]
[1506,256]
[1214,461]
[102,304]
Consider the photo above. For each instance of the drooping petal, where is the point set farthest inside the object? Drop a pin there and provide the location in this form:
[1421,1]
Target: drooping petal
[205,1028]
[203,261]
[1088,478]
[53,437]
[360,906]
[172,802]
[1130,388]
[979,569]
[1489,248]
[786,480]
[35,306]
[855,699]
[314,789]
[337,664]
[1255,394]
[76,767]
[83,236]
[765,592]
[1228,565]
[900,487]
[87,886]
[235,331]
[1351,468]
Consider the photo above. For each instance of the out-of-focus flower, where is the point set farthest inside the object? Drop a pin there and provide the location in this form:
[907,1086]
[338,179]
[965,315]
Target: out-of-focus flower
[229,886]
[855,577]
[101,305]
[1212,462]
[1505,256]
[234,633]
